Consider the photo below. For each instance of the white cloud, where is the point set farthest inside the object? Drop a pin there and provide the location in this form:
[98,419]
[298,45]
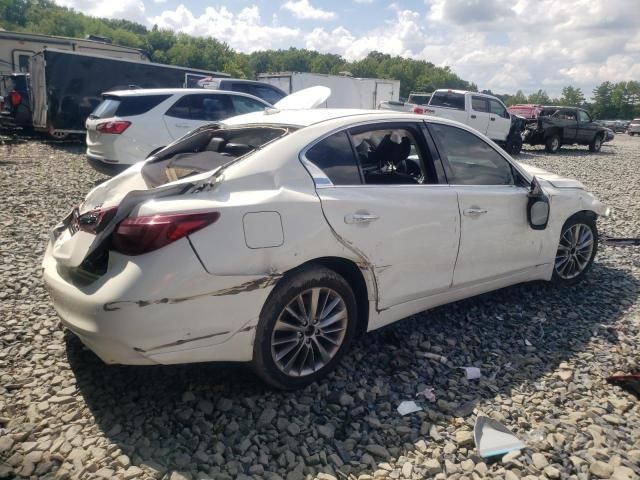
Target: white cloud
[130,9]
[243,31]
[363,1]
[304,10]
[160,1]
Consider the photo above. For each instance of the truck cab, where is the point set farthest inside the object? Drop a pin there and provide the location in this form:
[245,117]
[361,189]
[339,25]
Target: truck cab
[485,113]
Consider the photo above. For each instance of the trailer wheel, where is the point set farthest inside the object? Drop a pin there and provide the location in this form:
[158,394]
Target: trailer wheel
[58,134]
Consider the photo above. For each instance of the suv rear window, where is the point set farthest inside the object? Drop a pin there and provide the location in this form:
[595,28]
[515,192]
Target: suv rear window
[447,99]
[127,106]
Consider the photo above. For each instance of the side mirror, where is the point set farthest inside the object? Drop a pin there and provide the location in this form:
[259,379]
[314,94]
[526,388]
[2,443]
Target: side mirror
[537,206]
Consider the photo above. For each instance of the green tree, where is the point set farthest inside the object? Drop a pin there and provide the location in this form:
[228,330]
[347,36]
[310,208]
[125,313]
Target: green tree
[572,97]
[540,98]
[518,98]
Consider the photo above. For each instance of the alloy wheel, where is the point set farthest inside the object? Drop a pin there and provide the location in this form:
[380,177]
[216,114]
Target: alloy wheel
[574,251]
[309,332]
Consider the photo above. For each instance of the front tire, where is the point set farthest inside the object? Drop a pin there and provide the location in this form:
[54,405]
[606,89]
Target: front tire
[305,327]
[552,144]
[596,144]
[577,249]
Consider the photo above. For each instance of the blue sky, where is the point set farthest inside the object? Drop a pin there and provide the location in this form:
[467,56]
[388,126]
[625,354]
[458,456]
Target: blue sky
[502,45]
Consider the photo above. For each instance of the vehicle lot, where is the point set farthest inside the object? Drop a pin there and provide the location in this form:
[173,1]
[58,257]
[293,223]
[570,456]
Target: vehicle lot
[64,412]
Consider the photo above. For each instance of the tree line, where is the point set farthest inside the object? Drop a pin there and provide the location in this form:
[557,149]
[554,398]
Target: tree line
[611,101]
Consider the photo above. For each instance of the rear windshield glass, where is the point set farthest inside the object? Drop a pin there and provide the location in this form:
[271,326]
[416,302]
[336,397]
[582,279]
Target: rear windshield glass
[127,106]
[448,99]
[208,149]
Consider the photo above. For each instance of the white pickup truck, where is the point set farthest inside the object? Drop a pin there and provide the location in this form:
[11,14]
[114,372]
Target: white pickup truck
[485,113]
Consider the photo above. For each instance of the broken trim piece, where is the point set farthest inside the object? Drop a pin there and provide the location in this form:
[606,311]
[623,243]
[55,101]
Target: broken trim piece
[249,286]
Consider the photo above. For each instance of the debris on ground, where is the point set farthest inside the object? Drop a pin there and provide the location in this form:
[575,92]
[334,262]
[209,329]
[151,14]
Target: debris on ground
[407,407]
[493,439]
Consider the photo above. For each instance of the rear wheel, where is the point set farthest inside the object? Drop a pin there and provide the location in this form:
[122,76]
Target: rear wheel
[596,144]
[305,327]
[552,144]
[576,250]
[514,145]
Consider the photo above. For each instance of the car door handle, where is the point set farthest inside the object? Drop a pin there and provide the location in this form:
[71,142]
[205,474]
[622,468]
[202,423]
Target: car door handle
[182,125]
[473,116]
[474,212]
[360,218]
[493,119]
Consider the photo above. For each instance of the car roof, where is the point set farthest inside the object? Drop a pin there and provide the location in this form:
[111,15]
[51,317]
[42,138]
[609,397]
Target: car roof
[304,118]
[171,91]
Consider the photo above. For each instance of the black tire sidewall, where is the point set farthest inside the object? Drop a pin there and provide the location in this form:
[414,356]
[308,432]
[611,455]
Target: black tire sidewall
[549,142]
[585,220]
[593,144]
[287,289]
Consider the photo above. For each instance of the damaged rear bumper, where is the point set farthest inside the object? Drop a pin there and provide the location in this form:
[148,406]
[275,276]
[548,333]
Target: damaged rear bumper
[174,312]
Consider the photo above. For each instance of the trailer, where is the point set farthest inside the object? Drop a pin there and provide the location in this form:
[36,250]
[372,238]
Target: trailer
[16,48]
[346,91]
[67,86]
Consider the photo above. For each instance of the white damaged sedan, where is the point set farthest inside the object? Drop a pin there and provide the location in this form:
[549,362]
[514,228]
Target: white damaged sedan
[277,237]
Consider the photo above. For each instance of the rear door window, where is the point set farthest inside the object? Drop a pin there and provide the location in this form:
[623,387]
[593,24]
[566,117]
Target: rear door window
[479,104]
[210,107]
[106,109]
[334,156]
[448,99]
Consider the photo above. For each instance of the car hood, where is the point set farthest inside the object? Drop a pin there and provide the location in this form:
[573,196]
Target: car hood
[554,179]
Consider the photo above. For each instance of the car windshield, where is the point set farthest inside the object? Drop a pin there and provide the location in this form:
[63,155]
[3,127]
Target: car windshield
[208,148]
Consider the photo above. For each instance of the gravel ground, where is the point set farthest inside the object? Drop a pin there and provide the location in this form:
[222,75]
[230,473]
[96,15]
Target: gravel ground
[544,354]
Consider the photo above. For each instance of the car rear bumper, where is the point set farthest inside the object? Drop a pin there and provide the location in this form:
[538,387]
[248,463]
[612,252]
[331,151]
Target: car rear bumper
[633,129]
[162,309]
[104,166]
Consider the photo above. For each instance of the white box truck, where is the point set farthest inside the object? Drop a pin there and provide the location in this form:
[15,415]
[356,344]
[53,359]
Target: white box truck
[346,91]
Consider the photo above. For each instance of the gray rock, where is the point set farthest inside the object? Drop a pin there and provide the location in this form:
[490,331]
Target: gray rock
[266,417]
[378,451]
[326,431]
[601,469]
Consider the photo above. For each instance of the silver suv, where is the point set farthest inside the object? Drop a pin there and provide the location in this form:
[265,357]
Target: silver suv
[634,127]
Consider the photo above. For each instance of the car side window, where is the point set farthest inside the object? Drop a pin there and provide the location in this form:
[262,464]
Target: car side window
[334,156]
[498,109]
[479,104]
[245,105]
[583,117]
[202,107]
[472,161]
[390,156]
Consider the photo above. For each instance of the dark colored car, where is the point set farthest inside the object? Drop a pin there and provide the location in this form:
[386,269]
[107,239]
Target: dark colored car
[266,92]
[557,126]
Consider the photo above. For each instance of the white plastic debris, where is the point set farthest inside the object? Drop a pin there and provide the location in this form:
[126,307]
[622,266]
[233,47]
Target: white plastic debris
[472,373]
[435,356]
[407,407]
[428,394]
[492,438]
[528,343]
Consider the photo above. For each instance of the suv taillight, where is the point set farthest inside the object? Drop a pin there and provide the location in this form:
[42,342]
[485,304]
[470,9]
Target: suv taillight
[138,235]
[116,127]
[418,110]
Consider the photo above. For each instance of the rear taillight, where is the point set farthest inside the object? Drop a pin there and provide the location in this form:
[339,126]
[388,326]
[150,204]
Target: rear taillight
[16,98]
[94,221]
[418,110]
[116,127]
[138,235]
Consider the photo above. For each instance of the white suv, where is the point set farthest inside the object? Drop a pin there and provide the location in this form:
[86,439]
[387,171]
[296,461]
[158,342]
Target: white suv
[130,125]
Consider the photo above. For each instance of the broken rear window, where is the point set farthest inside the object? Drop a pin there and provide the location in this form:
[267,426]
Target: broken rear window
[207,149]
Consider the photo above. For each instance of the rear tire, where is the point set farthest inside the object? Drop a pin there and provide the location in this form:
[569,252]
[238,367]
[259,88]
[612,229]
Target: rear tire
[552,143]
[296,342]
[596,144]
[577,248]
[514,146]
